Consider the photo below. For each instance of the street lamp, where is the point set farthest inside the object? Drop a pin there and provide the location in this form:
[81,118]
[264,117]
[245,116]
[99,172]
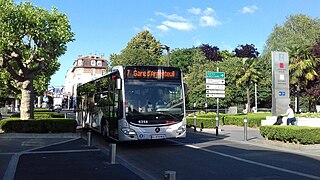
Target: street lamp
[168,53]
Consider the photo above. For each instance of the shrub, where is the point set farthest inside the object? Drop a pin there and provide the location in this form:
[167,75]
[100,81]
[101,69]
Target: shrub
[292,134]
[209,120]
[43,115]
[53,125]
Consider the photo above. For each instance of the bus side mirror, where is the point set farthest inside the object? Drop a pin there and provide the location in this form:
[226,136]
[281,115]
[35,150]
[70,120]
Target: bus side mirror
[119,83]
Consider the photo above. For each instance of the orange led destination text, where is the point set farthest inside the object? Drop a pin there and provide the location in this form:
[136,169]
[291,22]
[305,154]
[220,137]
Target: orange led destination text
[137,73]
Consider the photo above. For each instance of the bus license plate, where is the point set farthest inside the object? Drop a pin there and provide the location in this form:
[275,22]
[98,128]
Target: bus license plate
[158,136]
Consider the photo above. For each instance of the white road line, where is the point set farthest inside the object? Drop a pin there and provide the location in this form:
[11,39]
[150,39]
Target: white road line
[53,144]
[249,161]
[12,166]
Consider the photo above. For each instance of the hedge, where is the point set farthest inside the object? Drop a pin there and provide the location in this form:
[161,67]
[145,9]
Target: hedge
[292,134]
[209,120]
[43,115]
[53,125]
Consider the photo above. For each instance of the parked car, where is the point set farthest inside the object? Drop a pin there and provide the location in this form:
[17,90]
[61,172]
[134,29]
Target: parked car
[57,108]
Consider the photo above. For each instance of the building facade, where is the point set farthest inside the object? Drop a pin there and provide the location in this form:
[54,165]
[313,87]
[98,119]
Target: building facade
[85,69]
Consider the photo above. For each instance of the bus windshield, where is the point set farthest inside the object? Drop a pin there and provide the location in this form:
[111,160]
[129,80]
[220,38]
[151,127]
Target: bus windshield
[153,102]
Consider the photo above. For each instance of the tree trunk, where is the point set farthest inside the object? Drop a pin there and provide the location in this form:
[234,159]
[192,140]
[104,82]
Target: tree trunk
[27,101]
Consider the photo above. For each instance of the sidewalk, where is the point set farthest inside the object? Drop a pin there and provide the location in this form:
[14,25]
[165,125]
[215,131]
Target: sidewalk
[236,133]
[55,156]
[67,156]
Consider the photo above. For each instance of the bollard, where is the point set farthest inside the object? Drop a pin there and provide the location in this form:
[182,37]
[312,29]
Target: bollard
[217,126]
[245,120]
[170,175]
[201,126]
[65,115]
[112,152]
[223,121]
[89,138]
[195,122]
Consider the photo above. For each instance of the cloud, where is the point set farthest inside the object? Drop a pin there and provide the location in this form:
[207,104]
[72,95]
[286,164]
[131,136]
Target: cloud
[195,11]
[206,17]
[163,28]
[173,17]
[208,11]
[184,26]
[207,21]
[146,27]
[249,9]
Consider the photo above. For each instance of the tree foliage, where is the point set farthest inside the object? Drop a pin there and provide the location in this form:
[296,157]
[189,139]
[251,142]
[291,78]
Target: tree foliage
[212,53]
[31,41]
[143,49]
[247,72]
[246,51]
[297,36]
[298,30]
[195,80]
[184,58]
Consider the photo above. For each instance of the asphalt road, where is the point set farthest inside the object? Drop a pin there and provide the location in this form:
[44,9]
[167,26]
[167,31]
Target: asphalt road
[203,156]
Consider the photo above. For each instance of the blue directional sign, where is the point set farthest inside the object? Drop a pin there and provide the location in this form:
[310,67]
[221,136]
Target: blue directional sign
[282,93]
[215,75]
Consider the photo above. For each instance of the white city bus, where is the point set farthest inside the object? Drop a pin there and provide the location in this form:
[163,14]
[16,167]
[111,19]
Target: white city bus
[134,103]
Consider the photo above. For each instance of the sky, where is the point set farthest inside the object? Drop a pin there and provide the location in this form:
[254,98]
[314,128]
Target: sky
[104,27]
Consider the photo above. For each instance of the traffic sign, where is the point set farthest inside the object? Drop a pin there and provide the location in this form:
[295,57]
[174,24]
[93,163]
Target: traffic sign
[215,91]
[216,95]
[215,81]
[215,86]
[215,75]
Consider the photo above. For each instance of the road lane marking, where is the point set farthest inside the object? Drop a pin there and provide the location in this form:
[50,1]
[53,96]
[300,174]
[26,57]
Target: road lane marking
[248,161]
[12,166]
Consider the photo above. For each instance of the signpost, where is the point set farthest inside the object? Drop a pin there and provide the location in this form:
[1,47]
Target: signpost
[215,84]
[215,87]
[280,82]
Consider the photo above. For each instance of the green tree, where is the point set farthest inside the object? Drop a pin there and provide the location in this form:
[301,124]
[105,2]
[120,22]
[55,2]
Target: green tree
[143,49]
[247,72]
[31,41]
[234,95]
[195,80]
[296,36]
[299,30]
[183,58]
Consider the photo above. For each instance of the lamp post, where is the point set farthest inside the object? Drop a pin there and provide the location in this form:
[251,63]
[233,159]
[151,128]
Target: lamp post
[168,53]
[255,97]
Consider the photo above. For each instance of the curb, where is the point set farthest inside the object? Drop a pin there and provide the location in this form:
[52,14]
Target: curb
[300,147]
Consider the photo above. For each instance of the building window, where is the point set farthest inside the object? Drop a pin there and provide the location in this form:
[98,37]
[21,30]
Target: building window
[93,63]
[79,62]
[104,72]
[99,63]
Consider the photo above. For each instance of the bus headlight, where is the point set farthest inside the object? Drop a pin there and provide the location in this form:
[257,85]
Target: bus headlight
[128,131]
[181,129]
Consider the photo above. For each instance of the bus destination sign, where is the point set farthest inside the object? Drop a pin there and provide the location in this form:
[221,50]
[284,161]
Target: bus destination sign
[149,72]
